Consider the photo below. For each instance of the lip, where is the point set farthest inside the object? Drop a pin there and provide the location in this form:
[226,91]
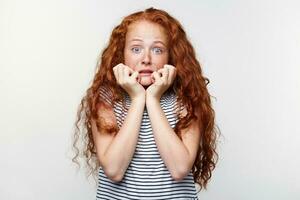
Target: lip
[145,72]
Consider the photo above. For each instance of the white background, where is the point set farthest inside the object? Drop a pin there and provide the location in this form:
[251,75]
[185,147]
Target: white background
[248,49]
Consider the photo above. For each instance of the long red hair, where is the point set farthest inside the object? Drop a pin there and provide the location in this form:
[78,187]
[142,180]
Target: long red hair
[190,86]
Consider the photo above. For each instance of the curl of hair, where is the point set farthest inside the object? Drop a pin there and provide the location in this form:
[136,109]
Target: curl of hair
[190,86]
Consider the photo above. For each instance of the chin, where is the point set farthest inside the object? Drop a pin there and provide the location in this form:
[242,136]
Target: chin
[145,81]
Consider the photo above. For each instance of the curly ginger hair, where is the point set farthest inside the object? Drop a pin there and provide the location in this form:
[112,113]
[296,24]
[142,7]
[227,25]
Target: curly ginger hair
[190,86]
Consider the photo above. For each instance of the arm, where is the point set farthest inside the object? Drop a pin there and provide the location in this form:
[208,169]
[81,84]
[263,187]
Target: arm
[179,156]
[115,151]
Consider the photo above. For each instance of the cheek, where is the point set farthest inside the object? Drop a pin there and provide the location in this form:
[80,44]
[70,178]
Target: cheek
[161,61]
[131,60]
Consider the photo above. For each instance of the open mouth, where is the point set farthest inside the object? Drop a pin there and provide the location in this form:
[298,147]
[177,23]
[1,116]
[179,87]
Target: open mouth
[147,72]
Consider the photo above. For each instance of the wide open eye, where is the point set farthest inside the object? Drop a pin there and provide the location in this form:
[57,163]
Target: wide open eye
[136,49]
[157,50]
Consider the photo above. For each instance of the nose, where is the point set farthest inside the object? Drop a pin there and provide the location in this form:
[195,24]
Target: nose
[146,60]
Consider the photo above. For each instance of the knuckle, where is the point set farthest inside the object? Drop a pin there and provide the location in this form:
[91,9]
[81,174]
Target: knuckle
[118,65]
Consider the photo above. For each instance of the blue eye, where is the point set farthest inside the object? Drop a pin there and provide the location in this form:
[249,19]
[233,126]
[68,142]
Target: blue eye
[157,50]
[136,49]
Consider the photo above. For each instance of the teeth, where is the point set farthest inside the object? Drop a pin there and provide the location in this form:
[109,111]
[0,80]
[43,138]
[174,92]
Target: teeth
[146,72]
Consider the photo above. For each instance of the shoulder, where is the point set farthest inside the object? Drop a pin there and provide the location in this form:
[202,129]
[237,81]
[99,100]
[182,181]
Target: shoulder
[173,99]
[106,119]
[105,95]
[105,108]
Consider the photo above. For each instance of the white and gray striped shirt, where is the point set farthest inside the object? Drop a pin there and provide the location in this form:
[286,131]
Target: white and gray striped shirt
[147,176]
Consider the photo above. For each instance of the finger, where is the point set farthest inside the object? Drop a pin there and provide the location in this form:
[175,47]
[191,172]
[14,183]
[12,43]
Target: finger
[135,76]
[131,71]
[165,74]
[169,66]
[172,75]
[155,76]
[152,77]
[121,74]
[116,72]
[126,72]
[160,72]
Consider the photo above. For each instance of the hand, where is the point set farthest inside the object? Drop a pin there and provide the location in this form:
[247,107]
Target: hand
[128,80]
[162,80]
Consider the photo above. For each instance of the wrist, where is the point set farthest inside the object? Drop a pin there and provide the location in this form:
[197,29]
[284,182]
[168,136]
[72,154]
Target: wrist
[139,99]
[152,99]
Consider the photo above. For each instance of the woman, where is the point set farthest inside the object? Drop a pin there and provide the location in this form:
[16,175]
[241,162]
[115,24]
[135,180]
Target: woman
[150,130]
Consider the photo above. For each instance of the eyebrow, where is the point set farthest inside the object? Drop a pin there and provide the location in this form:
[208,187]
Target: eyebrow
[156,41]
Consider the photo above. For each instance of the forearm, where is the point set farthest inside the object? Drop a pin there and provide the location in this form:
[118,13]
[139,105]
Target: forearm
[120,152]
[171,148]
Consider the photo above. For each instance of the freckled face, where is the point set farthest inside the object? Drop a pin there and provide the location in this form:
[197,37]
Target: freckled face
[145,49]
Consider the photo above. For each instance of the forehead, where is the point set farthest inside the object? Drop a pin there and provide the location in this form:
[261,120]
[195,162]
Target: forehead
[146,30]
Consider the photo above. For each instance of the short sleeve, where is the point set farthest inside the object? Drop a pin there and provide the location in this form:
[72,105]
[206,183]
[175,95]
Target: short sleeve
[181,110]
[106,95]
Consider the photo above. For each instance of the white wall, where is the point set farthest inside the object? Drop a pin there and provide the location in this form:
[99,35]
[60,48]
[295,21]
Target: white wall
[248,49]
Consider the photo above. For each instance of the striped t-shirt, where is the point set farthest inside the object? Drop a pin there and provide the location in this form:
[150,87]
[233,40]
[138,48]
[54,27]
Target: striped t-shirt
[146,176]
